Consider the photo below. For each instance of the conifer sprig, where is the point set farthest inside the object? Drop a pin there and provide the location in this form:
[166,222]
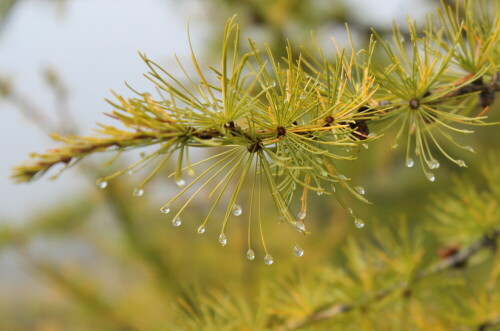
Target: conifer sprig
[282,125]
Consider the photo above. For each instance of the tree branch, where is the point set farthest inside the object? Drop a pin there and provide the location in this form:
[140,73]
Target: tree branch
[453,261]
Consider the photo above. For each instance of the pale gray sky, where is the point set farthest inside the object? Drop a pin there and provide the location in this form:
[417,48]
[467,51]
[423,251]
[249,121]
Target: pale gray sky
[94,46]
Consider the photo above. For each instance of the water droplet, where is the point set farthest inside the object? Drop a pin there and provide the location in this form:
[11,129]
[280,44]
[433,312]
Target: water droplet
[359,223]
[323,173]
[223,239]
[319,192]
[366,146]
[102,184]
[430,176]
[138,192]
[165,210]
[360,189]
[237,210]
[409,162]
[298,251]
[177,221]
[347,149]
[434,164]
[342,177]
[130,172]
[250,254]
[257,50]
[215,109]
[350,211]
[180,182]
[302,215]
[268,259]
[470,149]
[461,163]
[300,226]
[273,84]
[201,229]
[191,172]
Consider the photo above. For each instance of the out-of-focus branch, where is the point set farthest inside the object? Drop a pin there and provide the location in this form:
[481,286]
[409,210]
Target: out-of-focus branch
[27,108]
[149,254]
[453,261]
[5,9]
[490,324]
[66,122]
[86,296]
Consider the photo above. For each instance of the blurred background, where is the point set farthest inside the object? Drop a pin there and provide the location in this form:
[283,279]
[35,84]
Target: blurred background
[73,257]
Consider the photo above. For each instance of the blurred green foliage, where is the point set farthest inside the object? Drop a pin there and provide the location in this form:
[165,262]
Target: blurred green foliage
[125,267]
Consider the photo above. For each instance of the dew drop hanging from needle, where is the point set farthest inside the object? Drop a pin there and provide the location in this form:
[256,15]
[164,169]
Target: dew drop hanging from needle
[360,189]
[250,254]
[138,192]
[177,221]
[223,239]
[268,259]
[237,210]
[298,251]
[359,223]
